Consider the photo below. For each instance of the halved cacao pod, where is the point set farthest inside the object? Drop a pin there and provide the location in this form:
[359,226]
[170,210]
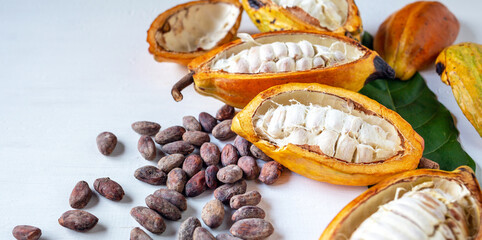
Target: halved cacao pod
[337,16]
[411,38]
[238,88]
[460,67]
[329,134]
[189,30]
[387,201]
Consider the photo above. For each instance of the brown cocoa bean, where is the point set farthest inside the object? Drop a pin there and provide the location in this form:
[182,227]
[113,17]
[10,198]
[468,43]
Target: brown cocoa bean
[149,219]
[257,153]
[270,172]
[167,163]
[211,178]
[109,189]
[151,175]
[174,197]
[80,195]
[139,234]
[225,192]
[196,138]
[78,220]
[163,207]
[213,213]
[26,232]
[146,147]
[230,174]
[242,145]
[210,153]
[207,122]
[225,112]
[192,164]
[180,147]
[427,163]
[251,198]
[169,135]
[252,228]
[176,180]
[186,230]
[146,128]
[226,236]
[201,233]
[196,185]
[249,166]
[191,123]
[223,131]
[106,143]
[248,212]
[229,155]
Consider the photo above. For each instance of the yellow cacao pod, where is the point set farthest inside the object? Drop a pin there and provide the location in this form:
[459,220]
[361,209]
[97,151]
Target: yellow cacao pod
[457,194]
[338,16]
[329,134]
[460,67]
[411,38]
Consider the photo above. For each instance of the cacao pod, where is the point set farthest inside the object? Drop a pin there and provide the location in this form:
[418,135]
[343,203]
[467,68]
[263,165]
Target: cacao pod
[189,30]
[236,72]
[329,134]
[397,204]
[339,16]
[411,38]
[460,67]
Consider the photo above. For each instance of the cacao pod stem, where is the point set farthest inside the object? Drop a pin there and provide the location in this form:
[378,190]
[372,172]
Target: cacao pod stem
[180,85]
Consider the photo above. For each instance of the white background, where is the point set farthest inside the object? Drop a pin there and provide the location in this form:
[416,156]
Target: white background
[72,69]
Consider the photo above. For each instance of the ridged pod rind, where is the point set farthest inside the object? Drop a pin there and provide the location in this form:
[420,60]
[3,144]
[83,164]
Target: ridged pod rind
[268,16]
[322,167]
[349,218]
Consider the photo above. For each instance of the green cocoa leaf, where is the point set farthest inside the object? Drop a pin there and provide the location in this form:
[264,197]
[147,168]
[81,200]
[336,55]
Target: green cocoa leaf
[418,105]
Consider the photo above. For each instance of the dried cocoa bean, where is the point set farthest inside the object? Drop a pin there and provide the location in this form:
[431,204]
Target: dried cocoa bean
[146,147]
[230,174]
[252,228]
[225,112]
[222,131]
[78,220]
[151,175]
[139,234]
[270,172]
[251,198]
[176,180]
[167,163]
[248,212]
[180,147]
[249,166]
[427,163]
[211,178]
[163,207]
[213,213]
[229,155]
[210,153]
[196,185]
[225,192]
[169,135]
[109,189]
[174,197]
[80,195]
[207,122]
[257,153]
[191,123]
[186,230]
[196,138]
[226,236]
[242,145]
[106,143]
[146,128]
[149,219]
[26,232]
[201,233]
[192,164]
